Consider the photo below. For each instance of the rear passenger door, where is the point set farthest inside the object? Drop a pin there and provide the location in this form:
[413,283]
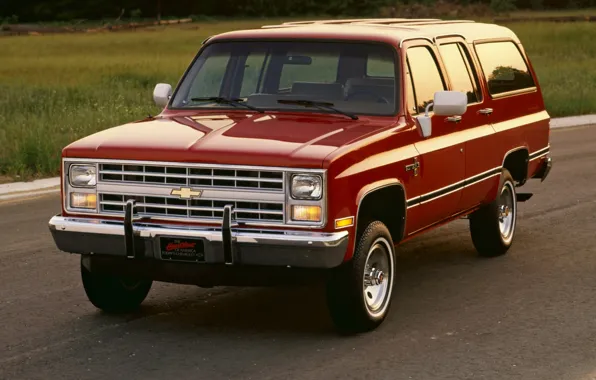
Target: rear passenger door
[518,117]
[474,129]
[441,160]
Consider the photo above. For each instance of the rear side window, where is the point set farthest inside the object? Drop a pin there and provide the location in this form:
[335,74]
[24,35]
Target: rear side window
[504,67]
[426,76]
[460,71]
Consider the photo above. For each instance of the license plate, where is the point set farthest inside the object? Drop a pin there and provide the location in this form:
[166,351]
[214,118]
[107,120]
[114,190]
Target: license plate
[180,249]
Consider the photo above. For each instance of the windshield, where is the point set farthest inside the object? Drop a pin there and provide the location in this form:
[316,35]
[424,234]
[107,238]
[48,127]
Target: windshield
[358,78]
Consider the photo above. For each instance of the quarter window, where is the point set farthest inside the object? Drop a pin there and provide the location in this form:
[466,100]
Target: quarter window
[426,76]
[460,71]
[504,67]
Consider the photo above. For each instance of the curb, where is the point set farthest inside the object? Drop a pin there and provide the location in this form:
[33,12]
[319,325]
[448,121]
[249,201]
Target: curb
[572,121]
[28,189]
[50,185]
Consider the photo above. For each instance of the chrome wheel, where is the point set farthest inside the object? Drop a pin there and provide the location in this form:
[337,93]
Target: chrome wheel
[506,212]
[378,272]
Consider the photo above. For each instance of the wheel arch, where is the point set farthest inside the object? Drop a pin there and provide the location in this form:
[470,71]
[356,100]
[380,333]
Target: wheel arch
[517,161]
[372,205]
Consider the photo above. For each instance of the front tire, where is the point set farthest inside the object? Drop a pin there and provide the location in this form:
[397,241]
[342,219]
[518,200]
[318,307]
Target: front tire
[493,226]
[114,294]
[359,292]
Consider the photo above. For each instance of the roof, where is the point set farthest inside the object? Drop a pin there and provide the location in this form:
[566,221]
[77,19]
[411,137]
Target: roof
[390,30]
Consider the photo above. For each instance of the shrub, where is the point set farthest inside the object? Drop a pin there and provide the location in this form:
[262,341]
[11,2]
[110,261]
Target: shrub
[438,9]
[502,6]
[135,14]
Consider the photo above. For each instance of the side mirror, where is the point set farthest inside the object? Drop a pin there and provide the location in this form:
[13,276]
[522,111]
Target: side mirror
[450,103]
[162,94]
[445,103]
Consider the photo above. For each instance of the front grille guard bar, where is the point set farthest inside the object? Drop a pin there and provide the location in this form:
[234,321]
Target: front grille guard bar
[134,250]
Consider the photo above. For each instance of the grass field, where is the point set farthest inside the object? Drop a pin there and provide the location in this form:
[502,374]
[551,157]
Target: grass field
[55,89]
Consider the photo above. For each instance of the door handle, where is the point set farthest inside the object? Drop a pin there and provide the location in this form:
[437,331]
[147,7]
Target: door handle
[485,111]
[453,119]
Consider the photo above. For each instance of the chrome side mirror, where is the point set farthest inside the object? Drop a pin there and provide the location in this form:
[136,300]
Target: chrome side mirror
[450,103]
[445,103]
[162,94]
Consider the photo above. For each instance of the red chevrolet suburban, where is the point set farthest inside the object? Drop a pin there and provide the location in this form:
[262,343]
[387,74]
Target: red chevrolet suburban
[309,149]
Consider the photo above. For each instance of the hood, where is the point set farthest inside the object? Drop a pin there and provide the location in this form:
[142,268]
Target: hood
[289,140]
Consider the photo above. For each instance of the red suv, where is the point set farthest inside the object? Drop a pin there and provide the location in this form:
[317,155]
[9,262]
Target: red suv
[309,149]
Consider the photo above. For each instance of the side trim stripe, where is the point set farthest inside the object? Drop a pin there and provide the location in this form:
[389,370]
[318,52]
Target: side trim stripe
[540,153]
[467,182]
[454,187]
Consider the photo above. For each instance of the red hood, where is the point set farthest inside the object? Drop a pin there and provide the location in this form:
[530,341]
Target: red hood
[294,140]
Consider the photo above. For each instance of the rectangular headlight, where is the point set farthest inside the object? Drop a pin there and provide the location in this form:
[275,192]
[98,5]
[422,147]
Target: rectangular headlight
[307,186]
[82,175]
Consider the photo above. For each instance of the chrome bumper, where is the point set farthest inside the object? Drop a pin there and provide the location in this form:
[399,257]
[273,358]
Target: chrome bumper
[545,167]
[250,247]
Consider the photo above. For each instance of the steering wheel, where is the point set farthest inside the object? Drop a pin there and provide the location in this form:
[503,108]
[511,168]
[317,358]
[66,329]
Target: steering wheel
[379,99]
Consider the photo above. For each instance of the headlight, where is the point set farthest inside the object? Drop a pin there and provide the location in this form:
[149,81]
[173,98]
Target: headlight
[83,175]
[307,186]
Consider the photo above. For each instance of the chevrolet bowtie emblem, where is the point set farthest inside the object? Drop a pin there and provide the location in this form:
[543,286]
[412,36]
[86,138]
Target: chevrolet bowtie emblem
[187,193]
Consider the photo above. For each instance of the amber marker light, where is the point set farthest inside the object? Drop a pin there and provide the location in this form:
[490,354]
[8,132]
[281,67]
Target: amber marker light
[82,200]
[306,213]
[344,222]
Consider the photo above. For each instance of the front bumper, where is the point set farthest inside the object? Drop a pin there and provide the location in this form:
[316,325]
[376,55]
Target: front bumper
[99,237]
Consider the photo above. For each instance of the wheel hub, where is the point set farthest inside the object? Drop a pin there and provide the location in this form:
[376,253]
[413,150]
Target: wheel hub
[377,278]
[504,212]
[374,277]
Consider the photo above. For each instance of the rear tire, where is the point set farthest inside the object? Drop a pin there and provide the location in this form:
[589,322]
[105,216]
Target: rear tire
[114,294]
[493,226]
[359,291]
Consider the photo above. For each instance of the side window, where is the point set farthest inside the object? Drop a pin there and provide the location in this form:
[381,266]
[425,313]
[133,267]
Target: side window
[504,67]
[411,98]
[425,75]
[460,70]
[321,69]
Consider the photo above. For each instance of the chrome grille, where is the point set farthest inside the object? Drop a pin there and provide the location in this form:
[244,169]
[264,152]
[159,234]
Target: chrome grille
[204,177]
[204,209]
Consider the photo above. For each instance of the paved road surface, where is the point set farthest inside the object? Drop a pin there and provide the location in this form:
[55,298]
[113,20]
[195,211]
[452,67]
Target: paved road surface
[528,315]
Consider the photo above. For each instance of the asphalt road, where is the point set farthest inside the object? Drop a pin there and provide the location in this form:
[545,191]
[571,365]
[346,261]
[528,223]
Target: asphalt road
[527,315]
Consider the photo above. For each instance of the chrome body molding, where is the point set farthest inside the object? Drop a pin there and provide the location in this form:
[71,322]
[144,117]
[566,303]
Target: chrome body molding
[151,230]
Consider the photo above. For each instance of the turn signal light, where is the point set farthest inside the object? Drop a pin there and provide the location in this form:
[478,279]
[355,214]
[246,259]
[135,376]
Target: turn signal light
[306,213]
[344,222]
[82,200]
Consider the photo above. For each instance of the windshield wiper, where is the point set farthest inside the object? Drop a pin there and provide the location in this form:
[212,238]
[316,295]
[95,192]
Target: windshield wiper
[317,104]
[232,101]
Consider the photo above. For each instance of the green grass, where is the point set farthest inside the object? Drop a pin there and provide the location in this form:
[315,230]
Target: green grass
[55,89]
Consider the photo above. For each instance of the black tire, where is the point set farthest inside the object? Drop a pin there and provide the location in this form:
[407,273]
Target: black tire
[487,223]
[349,310]
[114,294]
